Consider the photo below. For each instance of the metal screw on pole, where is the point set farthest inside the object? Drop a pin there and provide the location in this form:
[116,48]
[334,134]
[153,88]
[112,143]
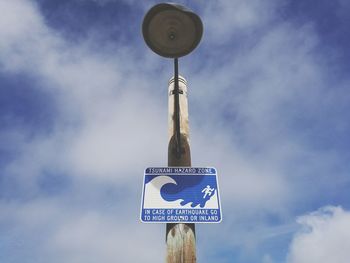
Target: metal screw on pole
[173,31]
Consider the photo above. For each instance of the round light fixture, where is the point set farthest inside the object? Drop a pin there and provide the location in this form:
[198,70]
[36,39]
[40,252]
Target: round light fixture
[172,30]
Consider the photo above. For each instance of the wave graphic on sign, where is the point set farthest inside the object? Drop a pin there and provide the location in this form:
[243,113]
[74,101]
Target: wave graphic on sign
[164,192]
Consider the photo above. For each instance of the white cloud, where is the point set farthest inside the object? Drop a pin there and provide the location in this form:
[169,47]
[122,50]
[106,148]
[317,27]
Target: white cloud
[62,232]
[23,35]
[323,238]
[225,19]
[267,259]
[18,19]
[107,130]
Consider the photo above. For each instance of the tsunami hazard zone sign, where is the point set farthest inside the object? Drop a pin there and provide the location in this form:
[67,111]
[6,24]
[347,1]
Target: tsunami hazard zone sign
[180,195]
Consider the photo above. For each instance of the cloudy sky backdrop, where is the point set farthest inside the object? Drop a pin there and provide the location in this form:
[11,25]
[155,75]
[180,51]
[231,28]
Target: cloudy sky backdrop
[83,110]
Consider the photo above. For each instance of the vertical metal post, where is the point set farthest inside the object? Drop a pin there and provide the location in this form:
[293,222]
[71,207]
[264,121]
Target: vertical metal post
[180,238]
[177,108]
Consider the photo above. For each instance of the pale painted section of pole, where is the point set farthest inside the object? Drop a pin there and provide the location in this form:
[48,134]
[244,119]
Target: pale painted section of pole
[184,123]
[180,238]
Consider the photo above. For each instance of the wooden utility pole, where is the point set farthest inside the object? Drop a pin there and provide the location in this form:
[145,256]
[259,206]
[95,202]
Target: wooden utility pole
[173,31]
[180,238]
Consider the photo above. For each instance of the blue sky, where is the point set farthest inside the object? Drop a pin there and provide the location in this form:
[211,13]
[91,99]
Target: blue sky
[83,110]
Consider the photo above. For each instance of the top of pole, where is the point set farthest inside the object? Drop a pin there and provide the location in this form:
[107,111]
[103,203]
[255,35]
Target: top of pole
[172,30]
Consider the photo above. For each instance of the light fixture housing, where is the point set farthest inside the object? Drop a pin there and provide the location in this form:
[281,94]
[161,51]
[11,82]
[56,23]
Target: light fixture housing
[172,30]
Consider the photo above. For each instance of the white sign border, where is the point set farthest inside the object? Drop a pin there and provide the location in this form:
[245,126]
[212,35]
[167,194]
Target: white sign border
[181,222]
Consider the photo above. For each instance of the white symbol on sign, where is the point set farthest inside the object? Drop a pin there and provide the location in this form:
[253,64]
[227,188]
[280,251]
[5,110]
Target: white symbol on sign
[207,191]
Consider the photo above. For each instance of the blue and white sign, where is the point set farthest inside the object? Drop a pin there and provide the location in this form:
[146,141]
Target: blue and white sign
[180,195]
